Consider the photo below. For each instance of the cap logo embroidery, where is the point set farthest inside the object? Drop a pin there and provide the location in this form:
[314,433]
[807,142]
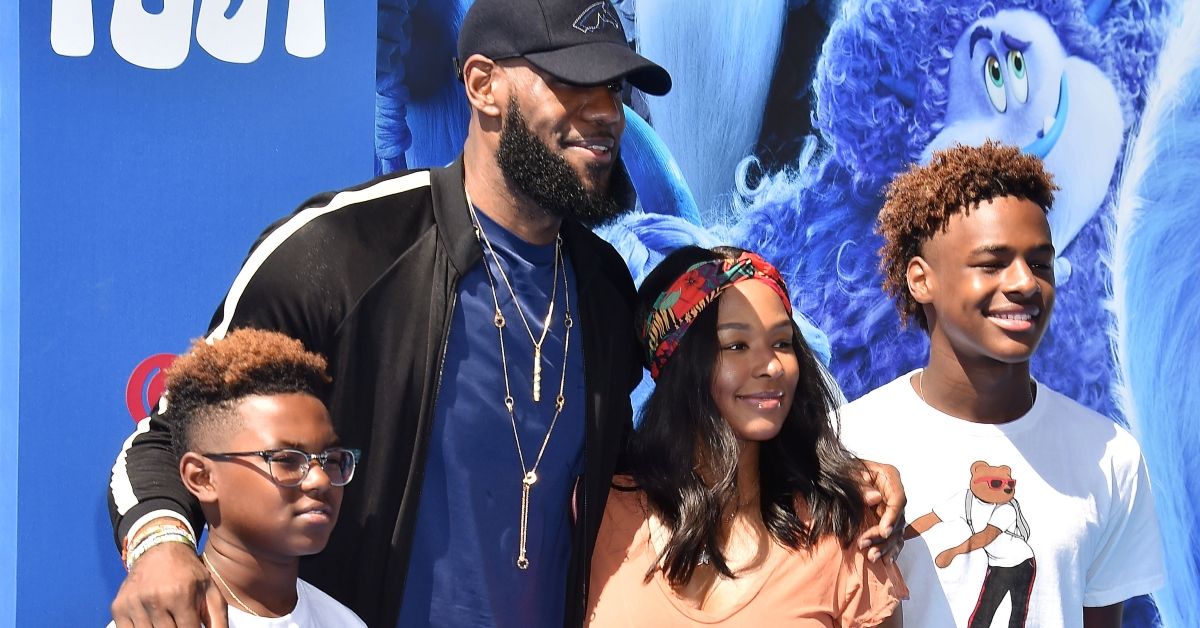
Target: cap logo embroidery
[595,17]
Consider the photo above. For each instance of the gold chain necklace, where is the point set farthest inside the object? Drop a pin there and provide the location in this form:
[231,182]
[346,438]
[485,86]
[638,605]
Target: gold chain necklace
[529,474]
[537,342]
[216,573]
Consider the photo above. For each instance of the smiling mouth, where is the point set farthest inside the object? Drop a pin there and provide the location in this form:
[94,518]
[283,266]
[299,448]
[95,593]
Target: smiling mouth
[600,148]
[1016,320]
[1017,316]
[764,400]
[1052,128]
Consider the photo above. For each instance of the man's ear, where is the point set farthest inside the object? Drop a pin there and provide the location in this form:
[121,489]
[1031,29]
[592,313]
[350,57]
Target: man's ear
[196,472]
[920,280]
[485,84]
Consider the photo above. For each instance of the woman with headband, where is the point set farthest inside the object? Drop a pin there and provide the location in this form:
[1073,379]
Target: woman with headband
[741,508]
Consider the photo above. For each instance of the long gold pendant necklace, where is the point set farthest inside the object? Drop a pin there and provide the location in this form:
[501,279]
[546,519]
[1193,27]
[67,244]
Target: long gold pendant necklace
[537,342]
[529,474]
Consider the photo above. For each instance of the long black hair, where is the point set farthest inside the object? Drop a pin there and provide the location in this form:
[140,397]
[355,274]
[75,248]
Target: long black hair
[682,439]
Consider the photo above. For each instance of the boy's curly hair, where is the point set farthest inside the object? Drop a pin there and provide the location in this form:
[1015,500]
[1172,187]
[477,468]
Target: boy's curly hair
[206,384]
[921,200]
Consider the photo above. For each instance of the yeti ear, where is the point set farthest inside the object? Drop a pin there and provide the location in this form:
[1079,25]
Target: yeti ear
[918,275]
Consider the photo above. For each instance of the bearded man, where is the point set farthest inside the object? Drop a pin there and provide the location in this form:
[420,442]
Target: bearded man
[481,344]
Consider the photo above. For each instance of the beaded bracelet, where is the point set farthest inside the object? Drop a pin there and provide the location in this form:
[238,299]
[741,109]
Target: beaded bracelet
[157,536]
[172,536]
[148,530]
[131,542]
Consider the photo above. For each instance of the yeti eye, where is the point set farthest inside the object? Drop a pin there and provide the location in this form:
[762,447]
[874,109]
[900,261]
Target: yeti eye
[993,81]
[1016,69]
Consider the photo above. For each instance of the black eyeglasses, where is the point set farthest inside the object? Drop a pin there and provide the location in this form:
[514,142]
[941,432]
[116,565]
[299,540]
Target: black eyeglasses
[289,467]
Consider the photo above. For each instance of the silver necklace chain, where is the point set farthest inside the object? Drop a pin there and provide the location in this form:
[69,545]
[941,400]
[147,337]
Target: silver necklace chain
[529,474]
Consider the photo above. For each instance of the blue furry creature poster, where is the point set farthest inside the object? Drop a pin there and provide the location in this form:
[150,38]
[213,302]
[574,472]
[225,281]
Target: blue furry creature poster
[788,118]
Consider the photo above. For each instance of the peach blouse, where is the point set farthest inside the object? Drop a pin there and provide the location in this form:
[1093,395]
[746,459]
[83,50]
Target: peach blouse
[825,585]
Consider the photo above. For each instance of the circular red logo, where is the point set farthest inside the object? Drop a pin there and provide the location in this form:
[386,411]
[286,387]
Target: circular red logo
[145,385]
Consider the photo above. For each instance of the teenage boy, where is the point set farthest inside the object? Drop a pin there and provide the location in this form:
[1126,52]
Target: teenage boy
[257,450]
[1027,509]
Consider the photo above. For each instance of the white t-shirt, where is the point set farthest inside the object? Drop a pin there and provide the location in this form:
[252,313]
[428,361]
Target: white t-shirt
[1081,504]
[314,609]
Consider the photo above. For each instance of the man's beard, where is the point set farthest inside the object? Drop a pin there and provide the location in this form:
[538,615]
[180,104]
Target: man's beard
[552,184]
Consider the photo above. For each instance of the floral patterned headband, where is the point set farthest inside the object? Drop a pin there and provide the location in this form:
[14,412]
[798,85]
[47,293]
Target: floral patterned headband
[678,306]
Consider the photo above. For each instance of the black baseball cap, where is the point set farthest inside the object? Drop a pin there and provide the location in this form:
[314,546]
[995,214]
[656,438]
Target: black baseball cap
[576,41]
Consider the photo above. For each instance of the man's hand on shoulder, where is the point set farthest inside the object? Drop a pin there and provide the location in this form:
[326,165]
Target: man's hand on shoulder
[169,586]
[884,493]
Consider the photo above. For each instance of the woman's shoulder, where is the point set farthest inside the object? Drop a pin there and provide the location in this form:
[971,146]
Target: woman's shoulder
[624,529]
[624,482]
[625,498]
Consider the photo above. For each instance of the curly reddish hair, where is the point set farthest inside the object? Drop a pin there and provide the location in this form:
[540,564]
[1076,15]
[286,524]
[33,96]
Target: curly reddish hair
[921,200]
[206,384]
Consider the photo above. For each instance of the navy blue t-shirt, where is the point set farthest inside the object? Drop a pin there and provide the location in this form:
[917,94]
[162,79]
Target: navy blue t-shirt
[462,571]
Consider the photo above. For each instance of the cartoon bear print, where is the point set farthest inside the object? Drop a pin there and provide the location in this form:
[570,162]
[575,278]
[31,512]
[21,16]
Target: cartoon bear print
[991,511]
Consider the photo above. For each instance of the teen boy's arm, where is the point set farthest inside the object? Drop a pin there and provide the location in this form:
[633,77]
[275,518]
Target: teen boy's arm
[1128,561]
[1103,616]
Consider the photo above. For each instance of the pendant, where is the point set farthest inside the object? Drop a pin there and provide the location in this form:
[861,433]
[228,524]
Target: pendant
[537,354]
[537,372]
[526,483]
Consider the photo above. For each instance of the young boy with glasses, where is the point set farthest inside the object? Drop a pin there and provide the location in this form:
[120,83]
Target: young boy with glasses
[257,449]
[1027,508]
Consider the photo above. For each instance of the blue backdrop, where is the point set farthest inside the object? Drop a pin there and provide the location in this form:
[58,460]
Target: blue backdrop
[140,190]
[145,143]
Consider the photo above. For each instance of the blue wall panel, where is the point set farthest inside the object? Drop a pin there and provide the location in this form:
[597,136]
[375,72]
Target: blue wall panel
[140,191]
[10,306]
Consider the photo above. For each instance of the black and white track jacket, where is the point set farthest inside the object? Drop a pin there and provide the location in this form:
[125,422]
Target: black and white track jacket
[368,277]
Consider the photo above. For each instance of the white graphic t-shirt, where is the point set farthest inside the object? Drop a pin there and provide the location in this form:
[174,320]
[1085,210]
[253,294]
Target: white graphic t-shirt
[1065,488]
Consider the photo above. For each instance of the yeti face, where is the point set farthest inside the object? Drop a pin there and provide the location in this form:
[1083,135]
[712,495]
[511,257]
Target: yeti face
[1012,81]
